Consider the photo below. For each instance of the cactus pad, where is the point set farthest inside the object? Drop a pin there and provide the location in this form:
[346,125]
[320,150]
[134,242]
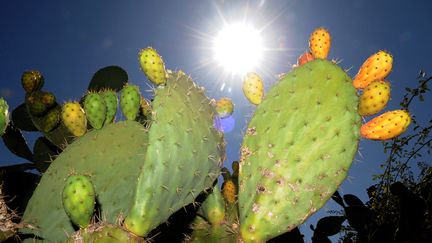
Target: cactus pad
[386,126]
[130,101]
[185,153]
[79,199]
[374,98]
[95,109]
[297,149]
[112,157]
[153,66]
[376,67]
[253,88]
[319,43]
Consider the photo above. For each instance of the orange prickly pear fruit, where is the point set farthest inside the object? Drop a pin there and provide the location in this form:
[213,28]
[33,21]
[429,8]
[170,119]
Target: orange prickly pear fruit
[319,43]
[253,88]
[374,98]
[304,58]
[376,67]
[229,191]
[386,126]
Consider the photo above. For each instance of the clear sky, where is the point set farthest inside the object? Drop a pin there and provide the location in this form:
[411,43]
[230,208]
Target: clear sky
[70,40]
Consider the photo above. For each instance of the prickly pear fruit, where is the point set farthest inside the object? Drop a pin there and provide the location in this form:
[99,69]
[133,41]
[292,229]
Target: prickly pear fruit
[32,81]
[319,43]
[304,58]
[224,107]
[4,116]
[253,88]
[37,108]
[51,119]
[284,180]
[78,199]
[130,98]
[386,126]
[74,118]
[374,98]
[229,191]
[95,109]
[376,67]
[111,103]
[153,66]
[48,99]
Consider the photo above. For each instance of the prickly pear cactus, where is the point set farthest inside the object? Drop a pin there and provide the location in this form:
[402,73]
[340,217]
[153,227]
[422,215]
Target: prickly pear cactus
[297,149]
[144,174]
[111,156]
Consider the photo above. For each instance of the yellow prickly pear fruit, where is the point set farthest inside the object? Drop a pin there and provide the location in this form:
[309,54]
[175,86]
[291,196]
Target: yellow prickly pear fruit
[224,107]
[374,98]
[229,191]
[153,66]
[319,43]
[386,126]
[74,118]
[376,67]
[253,88]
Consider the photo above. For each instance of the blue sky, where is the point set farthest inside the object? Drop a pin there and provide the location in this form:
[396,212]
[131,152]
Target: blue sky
[70,40]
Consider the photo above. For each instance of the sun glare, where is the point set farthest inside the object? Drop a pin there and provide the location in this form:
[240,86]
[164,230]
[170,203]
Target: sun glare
[238,48]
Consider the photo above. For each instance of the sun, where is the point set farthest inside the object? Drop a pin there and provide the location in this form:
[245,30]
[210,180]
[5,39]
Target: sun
[238,48]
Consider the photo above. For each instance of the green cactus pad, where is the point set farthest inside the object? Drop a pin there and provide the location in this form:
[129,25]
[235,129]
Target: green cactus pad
[130,101]
[112,157]
[111,103]
[95,109]
[185,153]
[106,233]
[4,116]
[213,208]
[297,150]
[79,199]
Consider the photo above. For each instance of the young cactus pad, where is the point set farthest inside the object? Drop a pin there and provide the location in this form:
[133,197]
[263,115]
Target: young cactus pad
[79,199]
[297,149]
